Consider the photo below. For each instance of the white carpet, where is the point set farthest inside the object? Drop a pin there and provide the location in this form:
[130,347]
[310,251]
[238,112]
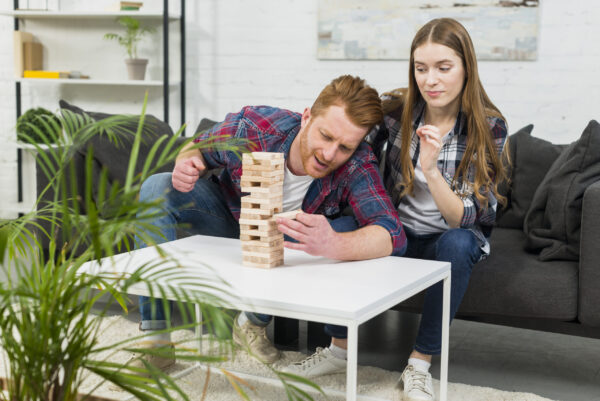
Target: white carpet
[372,382]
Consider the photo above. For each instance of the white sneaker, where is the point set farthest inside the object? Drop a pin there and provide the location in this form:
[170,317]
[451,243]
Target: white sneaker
[322,362]
[416,385]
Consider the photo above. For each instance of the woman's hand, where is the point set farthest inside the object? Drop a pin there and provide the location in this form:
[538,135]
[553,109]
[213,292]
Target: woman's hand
[431,145]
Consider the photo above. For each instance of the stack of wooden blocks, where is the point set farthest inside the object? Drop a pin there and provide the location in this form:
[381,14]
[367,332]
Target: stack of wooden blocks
[262,177]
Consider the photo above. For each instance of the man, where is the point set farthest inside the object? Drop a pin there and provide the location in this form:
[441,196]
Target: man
[328,166]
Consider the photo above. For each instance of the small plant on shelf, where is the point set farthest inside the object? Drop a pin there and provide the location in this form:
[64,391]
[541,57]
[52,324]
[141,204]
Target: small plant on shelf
[134,33]
[35,121]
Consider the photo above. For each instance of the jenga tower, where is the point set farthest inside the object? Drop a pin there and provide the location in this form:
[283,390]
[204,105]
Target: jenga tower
[262,177]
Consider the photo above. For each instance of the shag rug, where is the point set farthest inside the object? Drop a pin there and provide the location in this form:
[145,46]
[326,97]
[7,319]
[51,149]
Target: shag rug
[374,383]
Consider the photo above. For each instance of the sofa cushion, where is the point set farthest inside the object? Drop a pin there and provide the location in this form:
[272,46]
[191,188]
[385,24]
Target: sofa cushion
[514,283]
[115,158]
[526,174]
[511,282]
[553,222]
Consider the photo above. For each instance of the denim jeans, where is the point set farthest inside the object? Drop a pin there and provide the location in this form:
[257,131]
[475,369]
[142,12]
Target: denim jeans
[203,211]
[459,247]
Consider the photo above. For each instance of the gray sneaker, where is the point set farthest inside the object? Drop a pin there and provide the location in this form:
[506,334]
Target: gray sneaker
[416,385]
[322,362]
[253,339]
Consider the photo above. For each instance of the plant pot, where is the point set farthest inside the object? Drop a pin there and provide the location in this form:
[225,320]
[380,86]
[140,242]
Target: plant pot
[136,68]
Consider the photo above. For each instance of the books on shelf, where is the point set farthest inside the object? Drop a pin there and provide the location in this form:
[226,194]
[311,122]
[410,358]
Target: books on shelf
[32,56]
[130,5]
[20,37]
[28,55]
[45,74]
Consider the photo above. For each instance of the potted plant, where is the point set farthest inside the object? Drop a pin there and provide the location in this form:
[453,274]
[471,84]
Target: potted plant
[134,32]
[31,119]
[51,313]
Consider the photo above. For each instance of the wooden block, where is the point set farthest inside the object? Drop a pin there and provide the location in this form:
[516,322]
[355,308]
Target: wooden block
[288,215]
[263,265]
[267,254]
[269,168]
[248,213]
[266,215]
[271,189]
[264,244]
[260,232]
[261,238]
[250,180]
[262,223]
[262,156]
[274,200]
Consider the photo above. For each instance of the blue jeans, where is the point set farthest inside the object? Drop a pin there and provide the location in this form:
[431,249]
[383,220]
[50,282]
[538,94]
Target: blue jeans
[203,211]
[459,247]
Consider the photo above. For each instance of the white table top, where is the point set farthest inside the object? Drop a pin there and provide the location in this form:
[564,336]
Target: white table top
[334,291]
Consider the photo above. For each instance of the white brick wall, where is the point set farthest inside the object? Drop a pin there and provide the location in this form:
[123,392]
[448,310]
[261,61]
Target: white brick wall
[264,52]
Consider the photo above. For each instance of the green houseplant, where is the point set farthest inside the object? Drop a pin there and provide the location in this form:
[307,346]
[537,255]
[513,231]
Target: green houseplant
[51,314]
[134,33]
[32,118]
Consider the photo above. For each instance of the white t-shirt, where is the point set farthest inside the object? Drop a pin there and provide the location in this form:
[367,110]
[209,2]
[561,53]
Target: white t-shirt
[294,189]
[419,211]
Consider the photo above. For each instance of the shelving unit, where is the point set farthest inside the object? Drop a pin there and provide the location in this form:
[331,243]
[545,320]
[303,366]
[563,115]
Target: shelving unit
[26,155]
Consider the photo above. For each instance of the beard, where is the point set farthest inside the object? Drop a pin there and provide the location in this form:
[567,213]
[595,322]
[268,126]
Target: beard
[307,154]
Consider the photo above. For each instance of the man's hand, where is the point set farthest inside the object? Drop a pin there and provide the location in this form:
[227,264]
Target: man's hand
[313,233]
[186,173]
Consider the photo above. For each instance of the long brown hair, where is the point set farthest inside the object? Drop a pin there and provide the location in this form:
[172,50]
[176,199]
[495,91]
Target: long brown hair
[475,103]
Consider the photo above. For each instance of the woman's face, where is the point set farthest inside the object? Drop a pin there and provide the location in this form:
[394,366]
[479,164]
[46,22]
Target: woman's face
[440,75]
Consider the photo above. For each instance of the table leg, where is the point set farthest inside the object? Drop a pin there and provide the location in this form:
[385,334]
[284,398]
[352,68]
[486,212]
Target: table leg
[199,330]
[445,342]
[352,363]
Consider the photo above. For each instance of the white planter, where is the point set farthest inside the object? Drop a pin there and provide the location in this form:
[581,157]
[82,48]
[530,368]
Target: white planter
[136,68]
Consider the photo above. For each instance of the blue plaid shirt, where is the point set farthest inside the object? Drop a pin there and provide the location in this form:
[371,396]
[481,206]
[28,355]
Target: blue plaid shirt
[356,184]
[476,218]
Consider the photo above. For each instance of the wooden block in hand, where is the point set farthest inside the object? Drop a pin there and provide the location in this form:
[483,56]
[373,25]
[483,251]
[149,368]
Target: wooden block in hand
[288,215]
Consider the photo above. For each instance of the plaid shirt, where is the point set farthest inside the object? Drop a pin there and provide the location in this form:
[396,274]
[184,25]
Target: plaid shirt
[476,218]
[356,184]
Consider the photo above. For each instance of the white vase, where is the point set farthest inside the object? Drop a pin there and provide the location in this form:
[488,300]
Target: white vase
[136,68]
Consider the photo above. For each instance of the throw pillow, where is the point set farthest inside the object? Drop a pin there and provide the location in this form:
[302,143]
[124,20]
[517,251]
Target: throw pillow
[553,222]
[115,157]
[526,174]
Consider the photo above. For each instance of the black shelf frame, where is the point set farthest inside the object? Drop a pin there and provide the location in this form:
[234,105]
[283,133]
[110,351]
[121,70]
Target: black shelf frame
[165,27]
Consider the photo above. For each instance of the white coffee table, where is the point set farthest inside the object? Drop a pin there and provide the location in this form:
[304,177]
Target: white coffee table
[302,288]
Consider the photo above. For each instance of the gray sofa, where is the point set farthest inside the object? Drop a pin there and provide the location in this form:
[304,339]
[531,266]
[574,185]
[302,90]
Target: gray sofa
[544,269]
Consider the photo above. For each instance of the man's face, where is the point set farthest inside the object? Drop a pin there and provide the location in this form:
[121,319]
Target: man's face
[327,141]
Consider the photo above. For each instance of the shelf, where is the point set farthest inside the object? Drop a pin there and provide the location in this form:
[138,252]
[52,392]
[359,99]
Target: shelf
[15,208]
[85,14]
[70,81]
[29,146]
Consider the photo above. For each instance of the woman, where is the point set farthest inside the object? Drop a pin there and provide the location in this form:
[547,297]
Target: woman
[442,167]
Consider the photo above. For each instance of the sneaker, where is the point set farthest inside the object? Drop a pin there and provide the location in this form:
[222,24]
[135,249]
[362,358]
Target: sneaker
[322,362]
[416,385]
[254,339]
